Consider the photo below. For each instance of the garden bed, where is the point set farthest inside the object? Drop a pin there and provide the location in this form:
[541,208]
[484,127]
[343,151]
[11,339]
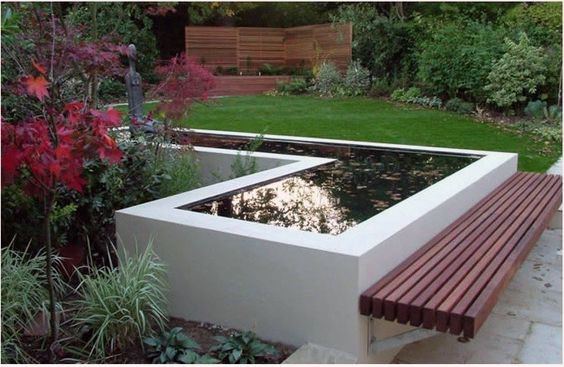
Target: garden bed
[201,332]
[239,85]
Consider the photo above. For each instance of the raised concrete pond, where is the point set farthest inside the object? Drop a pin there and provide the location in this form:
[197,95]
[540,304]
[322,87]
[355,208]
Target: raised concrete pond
[235,261]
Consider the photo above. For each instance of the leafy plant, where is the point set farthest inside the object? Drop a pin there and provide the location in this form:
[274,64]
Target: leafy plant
[538,110]
[175,347]
[382,41]
[380,87]
[23,296]
[119,305]
[357,79]
[456,58]
[111,90]
[183,82]
[296,86]
[181,173]
[548,133]
[459,106]
[328,80]
[246,164]
[403,95]
[241,347]
[518,73]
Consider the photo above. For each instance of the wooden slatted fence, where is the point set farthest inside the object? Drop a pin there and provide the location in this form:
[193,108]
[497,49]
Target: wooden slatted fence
[249,48]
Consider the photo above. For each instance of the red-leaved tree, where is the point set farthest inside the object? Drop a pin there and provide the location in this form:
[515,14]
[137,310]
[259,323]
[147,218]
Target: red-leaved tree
[183,82]
[49,133]
[48,152]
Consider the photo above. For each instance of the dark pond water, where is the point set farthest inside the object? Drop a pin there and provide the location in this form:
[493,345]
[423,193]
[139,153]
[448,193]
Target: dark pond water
[331,198]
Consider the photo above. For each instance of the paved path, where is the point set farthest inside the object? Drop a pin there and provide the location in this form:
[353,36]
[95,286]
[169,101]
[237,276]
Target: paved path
[556,167]
[526,324]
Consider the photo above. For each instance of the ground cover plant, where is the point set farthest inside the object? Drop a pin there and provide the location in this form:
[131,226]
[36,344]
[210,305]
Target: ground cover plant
[119,305]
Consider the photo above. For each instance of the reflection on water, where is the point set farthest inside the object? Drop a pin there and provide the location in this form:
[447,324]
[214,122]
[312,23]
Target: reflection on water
[332,198]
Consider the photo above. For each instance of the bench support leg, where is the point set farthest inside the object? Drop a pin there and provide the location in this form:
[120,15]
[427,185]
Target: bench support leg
[396,341]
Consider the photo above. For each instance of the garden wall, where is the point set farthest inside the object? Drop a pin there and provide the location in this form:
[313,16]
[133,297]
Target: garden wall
[249,48]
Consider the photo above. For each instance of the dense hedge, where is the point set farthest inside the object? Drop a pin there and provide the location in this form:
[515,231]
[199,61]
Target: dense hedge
[465,51]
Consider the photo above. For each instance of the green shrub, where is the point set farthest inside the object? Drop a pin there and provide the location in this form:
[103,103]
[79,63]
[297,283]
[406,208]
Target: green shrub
[459,106]
[242,347]
[403,95]
[413,95]
[384,44]
[538,110]
[432,102]
[23,296]
[548,133]
[175,347]
[517,75]
[121,305]
[246,164]
[380,88]
[15,206]
[542,22]
[456,58]
[112,90]
[357,79]
[328,82]
[181,173]
[296,86]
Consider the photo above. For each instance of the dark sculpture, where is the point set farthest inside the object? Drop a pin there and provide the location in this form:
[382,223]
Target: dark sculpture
[133,84]
[135,96]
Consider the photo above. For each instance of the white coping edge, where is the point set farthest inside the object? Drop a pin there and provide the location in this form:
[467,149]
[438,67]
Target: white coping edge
[364,235]
[300,163]
[429,149]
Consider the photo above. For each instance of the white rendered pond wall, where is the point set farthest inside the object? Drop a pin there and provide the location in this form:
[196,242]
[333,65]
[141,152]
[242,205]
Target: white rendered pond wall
[287,284]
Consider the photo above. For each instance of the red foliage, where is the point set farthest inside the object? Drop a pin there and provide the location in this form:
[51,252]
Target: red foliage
[55,153]
[36,86]
[183,82]
[62,55]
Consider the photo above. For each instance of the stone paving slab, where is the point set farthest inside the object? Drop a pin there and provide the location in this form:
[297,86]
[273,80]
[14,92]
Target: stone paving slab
[545,342]
[524,327]
[316,354]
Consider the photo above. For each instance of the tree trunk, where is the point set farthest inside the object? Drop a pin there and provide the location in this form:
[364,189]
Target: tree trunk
[560,89]
[94,85]
[53,325]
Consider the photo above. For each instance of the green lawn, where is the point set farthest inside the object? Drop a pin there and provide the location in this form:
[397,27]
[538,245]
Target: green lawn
[368,120]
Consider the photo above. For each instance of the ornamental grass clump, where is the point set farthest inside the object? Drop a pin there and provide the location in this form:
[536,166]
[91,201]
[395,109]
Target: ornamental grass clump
[121,305]
[23,296]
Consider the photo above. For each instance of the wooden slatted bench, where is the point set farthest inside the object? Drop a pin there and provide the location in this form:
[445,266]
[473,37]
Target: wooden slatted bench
[453,282]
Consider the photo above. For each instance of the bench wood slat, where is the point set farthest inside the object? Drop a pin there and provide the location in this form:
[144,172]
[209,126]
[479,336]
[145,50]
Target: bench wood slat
[450,253]
[521,249]
[414,263]
[447,279]
[453,281]
[498,248]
